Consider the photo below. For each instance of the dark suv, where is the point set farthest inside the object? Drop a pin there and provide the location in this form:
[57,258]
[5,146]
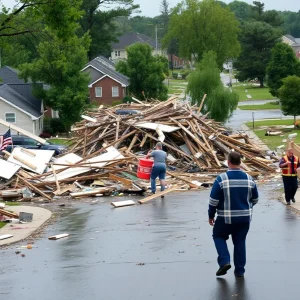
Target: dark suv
[29,143]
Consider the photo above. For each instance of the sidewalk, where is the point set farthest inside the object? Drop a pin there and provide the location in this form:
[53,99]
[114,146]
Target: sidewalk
[40,216]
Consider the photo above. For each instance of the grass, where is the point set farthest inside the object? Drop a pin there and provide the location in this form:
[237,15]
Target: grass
[258,124]
[256,92]
[176,86]
[266,106]
[59,141]
[274,141]
[2,224]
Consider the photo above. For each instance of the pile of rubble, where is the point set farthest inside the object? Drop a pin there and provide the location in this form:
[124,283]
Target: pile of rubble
[108,143]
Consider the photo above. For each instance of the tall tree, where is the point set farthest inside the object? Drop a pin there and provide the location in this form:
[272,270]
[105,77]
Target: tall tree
[289,95]
[99,21]
[257,39]
[203,26]
[146,73]
[220,102]
[242,10]
[283,63]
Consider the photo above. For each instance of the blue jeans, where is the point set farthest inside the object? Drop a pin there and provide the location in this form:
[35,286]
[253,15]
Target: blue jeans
[238,232]
[160,172]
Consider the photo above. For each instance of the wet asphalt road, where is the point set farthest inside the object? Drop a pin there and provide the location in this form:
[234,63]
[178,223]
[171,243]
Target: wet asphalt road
[160,250]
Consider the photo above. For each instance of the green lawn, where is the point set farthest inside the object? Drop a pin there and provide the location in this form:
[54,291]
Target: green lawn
[176,86]
[257,93]
[59,141]
[2,224]
[270,123]
[266,106]
[274,141]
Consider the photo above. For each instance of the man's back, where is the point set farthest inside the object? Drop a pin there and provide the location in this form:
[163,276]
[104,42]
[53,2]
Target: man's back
[233,195]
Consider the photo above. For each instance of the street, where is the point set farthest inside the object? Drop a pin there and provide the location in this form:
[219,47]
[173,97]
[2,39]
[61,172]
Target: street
[160,250]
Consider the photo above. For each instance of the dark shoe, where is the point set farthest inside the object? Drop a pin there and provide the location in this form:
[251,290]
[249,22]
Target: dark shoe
[288,203]
[223,270]
[162,197]
[293,200]
[238,275]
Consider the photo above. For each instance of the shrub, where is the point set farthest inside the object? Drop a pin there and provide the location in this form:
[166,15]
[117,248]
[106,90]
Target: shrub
[127,99]
[175,75]
[47,126]
[57,125]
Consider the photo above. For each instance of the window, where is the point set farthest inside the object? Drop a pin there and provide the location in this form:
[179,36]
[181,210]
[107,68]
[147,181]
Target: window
[117,53]
[29,142]
[115,91]
[10,117]
[98,91]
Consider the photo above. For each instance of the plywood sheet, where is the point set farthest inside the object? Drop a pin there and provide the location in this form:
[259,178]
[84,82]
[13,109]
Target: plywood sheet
[8,169]
[111,154]
[155,126]
[35,162]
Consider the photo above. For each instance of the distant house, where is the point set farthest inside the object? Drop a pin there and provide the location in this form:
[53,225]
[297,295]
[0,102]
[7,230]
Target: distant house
[176,62]
[293,42]
[17,103]
[130,38]
[106,84]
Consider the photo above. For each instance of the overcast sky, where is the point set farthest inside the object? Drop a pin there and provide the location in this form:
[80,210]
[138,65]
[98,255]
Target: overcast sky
[151,7]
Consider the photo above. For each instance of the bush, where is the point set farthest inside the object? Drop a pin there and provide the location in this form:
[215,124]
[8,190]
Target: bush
[127,99]
[57,126]
[47,126]
[117,102]
[45,135]
[175,75]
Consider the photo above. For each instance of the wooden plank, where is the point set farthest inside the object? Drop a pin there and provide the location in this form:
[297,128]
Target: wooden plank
[5,236]
[9,214]
[35,188]
[192,185]
[56,180]
[121,179]
[122,203]
[58,236]
[201,105]
[90,193]
[22,131]
[167,191]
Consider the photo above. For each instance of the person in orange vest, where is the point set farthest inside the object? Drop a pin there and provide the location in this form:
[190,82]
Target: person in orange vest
[289,165]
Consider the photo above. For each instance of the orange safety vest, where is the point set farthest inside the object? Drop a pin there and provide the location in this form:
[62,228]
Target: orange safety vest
[287,171]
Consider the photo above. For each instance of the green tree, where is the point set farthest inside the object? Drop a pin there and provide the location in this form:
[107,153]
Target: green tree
[289,95]
[145,72]
[99,22]
[282,64]
[242,10]
[220,101]
[59,65]
[203,26]
[257,39]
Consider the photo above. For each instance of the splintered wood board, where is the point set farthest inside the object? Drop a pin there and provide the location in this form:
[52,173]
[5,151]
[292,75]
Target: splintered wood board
[8,169]
[58,236]
[142,201]
[5,236]
[122,203]
[39,159]
[111,154]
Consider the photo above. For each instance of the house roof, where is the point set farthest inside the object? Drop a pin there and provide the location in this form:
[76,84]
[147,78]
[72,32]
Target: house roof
[131,38]
[296,41]
[9,75]
[21,97]
[106,67]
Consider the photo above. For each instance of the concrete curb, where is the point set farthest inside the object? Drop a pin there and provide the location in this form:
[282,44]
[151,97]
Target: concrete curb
[23,231]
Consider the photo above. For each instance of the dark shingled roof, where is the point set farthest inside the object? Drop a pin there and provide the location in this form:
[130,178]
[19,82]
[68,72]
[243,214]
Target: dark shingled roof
[18,93]
[130,38]
[106,67]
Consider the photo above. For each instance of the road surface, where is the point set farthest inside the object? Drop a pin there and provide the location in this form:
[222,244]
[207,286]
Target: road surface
[161,250]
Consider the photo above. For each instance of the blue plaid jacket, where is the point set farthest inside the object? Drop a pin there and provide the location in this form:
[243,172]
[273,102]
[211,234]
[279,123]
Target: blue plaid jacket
[233,196]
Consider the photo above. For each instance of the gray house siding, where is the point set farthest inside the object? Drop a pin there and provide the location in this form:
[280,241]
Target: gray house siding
[94,74]
[22,120]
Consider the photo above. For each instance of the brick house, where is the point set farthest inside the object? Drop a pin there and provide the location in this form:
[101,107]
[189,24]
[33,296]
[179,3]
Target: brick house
[176,62]
[106,85]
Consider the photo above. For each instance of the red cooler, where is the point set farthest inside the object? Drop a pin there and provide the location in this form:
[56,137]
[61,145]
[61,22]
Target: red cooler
[145,168]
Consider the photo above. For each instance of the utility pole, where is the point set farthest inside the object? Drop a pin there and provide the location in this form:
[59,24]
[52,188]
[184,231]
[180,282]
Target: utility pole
[156,39]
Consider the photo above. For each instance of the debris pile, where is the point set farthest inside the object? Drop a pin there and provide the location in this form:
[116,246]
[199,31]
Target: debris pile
[108,143]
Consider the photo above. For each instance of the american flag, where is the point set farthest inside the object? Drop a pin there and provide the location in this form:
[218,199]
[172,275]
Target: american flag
[5,140]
